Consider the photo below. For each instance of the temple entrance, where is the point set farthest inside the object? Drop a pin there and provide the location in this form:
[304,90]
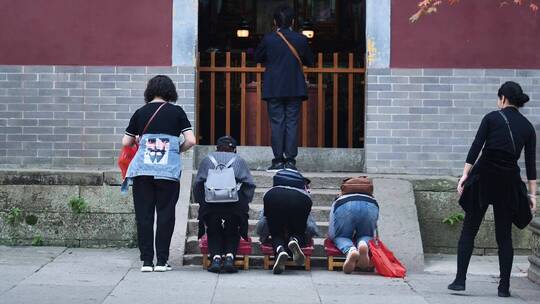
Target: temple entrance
[229,81]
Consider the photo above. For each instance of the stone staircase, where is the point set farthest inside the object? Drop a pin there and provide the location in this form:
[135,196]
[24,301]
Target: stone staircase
[398,218]
[325,188]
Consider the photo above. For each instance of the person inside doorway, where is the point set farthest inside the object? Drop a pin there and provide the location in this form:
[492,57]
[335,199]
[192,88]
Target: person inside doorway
[284,53]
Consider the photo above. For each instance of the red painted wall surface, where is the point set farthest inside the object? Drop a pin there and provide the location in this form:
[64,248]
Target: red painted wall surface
[85,32]
[471,34]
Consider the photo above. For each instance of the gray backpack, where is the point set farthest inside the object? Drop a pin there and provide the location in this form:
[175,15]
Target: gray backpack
[220,185]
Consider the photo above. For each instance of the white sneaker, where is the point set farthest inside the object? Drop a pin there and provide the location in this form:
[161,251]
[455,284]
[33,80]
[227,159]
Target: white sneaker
[298,256]
[281,259]
[162,268]
[147,267]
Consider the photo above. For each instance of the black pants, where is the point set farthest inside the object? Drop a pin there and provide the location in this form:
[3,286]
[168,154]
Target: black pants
[286,217]
[283,114]
[149,196]
[223,233]
[503,235]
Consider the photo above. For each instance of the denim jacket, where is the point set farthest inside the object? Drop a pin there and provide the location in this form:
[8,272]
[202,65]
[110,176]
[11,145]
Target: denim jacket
[158,156]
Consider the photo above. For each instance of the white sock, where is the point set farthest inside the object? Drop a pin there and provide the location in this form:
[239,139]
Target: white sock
[230,255]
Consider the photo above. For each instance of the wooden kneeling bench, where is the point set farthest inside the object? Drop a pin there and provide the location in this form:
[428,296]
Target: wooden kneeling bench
[269,258]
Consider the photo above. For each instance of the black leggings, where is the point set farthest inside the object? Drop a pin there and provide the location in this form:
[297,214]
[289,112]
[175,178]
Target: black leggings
[150,196]
[503,234]
[223,233]
[286,212]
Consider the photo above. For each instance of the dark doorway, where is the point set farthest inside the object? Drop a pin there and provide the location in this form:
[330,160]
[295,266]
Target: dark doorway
[339,33]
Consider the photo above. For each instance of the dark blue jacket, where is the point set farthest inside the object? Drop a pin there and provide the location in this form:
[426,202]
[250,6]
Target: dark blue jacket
[283,76]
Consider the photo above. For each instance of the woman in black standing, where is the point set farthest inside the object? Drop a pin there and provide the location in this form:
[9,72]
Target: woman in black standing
[495,179]
[156,168]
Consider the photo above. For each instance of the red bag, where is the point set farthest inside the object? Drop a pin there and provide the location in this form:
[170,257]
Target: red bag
[128,153]
[386,264]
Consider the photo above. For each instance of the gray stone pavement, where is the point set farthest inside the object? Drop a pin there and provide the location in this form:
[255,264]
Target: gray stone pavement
[66,275]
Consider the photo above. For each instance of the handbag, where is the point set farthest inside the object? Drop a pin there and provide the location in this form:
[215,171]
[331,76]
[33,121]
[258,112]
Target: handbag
[522,214]
[384,260]
[360,184]
[128,152]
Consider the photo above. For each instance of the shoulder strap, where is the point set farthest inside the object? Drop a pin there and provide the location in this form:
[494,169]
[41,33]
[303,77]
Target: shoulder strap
[509,130]
[230,162]
[152,118]
[291,47]
[213,160]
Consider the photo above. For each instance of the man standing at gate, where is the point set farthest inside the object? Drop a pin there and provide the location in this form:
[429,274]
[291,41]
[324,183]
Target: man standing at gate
[284,52]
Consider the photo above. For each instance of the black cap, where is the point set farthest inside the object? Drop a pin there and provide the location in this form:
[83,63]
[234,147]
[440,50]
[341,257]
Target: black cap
[226,141]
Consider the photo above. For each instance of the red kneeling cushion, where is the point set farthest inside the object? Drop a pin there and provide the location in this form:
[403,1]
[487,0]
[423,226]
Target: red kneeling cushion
[331,249]
[244,247]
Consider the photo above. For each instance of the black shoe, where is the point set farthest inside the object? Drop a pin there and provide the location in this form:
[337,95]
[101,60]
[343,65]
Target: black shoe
[281,259]
[457,285]
[162,267]
[147,266]
[298,256]
[276,166]
[290,164]
[228,265]
[504,289]
[215,267]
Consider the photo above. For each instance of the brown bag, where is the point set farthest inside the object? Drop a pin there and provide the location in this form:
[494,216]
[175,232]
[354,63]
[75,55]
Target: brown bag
[360,184]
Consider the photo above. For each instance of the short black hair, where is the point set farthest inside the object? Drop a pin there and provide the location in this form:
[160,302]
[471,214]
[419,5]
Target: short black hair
[513,92]
[226,144]
[284,16]
[160,86]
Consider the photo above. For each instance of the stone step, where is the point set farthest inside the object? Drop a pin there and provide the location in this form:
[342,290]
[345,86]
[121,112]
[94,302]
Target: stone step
[319,213]
[308,160]
[319,197]
[264,179]
[193,228]
[192,246]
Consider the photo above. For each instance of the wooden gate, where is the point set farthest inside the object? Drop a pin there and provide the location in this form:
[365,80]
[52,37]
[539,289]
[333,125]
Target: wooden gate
[324,75]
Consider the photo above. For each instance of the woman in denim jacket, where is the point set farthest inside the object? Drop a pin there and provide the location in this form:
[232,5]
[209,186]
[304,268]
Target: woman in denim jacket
[156,168]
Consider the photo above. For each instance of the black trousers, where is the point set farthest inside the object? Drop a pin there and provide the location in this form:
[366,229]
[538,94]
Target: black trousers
[154,196]
[503,235]
[223,233]
[286,219]
[283,114]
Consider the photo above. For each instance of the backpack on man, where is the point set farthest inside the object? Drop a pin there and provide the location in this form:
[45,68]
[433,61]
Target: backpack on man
[220,185]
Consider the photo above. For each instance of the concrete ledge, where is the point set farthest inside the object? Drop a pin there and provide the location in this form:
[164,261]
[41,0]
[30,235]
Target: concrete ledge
[398,221]
[50,177]
[534,259]
[309,159]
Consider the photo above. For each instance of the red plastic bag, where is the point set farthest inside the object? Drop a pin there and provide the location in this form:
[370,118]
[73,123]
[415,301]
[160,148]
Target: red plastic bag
[126,155]
[386,264]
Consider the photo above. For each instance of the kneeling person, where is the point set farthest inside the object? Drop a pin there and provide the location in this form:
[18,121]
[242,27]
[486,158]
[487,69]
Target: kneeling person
[353,221]
[287,206]
[223,217]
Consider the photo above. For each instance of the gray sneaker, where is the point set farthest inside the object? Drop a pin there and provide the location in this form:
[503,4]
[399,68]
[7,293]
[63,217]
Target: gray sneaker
[298,256]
